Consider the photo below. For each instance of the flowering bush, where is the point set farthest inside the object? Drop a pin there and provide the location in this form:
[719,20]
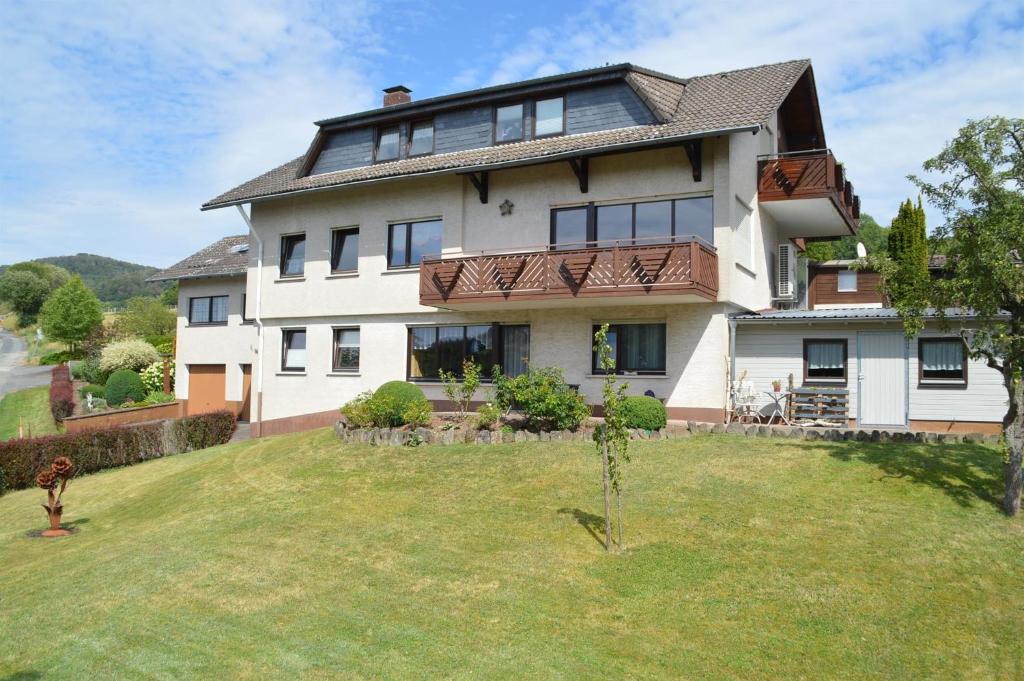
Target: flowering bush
[132,354]
[153,377]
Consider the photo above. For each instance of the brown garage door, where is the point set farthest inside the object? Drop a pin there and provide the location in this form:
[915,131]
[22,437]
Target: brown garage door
[205,388]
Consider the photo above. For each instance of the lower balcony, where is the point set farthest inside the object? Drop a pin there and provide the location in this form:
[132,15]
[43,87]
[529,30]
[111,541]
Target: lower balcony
[619,273]
[808,195]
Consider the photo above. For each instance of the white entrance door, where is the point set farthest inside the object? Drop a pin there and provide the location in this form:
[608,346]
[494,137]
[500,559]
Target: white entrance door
[882,367]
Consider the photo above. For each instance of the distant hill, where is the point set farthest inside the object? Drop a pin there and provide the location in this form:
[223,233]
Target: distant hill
[113,281]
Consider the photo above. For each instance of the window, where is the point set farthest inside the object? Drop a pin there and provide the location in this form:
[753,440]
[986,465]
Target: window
[345,250]
[847,281]
[508,123]
[550,117]
[293,255]
[941,361]
[245,301]
[346,350]
[387,144]
[636,349]
[628,223]
[825,361]
[421,140]
[433,348]
[408,242]
[293,350]
[208,310]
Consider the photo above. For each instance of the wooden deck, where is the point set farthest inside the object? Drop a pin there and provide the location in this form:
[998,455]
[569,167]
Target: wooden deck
[810,175]
[640,269]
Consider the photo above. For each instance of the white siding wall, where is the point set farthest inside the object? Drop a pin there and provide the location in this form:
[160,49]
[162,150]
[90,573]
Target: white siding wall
[768,352]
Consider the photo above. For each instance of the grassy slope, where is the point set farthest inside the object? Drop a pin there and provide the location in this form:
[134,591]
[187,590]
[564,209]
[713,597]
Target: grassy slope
[301,557]
[33,406]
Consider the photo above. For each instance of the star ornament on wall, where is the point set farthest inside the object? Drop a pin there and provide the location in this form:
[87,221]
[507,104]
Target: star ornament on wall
[506,207]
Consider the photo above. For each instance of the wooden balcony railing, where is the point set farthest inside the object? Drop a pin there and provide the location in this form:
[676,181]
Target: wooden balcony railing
[637,268]
[808,175]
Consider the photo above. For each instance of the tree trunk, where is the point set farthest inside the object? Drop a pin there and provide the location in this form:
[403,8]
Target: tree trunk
[618,506]
[1013,429]
[607,497]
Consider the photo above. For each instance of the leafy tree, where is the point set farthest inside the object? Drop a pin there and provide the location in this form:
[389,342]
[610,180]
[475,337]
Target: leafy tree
[54,276]
[907,279]
[980,190]
[170,295]
[820,251]
[25,292]
[611,437]
[147,317]
[874,237]
[71,313]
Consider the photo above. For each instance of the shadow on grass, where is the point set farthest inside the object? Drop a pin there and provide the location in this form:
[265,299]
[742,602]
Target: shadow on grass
[594,524]
[27,675]
[966,473]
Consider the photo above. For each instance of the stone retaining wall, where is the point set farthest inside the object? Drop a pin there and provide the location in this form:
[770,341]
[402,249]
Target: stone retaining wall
[397,437]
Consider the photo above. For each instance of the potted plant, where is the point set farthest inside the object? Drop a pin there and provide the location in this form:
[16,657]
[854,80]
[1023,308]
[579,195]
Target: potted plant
[58,474]
[777,385]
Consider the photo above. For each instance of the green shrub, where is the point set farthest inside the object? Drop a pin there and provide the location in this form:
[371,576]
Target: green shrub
[163,344]
[646,413]
[418,413]
[544,397]
[92,373]
[202,431]
[122,386]
[76,369]
[158,397]
[98,404]
[134,354]
[153,376]
[397,394]
[98,391]
[356,411]
[487,415]
[56,357]
[3,482]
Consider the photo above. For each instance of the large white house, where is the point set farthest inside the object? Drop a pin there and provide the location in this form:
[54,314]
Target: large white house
[505,224]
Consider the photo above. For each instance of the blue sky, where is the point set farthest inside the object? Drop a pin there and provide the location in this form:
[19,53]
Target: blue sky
[118,119]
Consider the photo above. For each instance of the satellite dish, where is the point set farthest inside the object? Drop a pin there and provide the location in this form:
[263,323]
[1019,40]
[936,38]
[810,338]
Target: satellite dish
[861,251]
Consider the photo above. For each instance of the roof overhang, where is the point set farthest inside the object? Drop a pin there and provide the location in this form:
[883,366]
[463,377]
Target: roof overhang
[229,275]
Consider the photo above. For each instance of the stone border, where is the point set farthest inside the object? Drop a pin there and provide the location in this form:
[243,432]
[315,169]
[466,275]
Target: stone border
[397,437]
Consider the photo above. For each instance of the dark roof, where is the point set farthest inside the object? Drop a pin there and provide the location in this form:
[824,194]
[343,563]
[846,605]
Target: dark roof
[842,314]
[228,257]
[697,107]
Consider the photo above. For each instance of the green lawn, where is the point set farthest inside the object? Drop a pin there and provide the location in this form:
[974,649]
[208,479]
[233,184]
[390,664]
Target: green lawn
[300,557]
[32,406]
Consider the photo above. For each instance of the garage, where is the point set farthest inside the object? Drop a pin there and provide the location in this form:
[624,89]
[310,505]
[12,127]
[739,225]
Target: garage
[205,388]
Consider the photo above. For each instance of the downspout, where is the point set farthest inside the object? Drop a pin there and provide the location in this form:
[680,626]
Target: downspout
[258,319]
[732,364]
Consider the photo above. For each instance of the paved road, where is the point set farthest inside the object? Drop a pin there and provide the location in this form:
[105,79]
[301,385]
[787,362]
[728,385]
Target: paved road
[14,373]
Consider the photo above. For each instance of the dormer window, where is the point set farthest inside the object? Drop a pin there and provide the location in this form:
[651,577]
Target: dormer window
[421,139]
[508,124]
[550,118]
[387,144]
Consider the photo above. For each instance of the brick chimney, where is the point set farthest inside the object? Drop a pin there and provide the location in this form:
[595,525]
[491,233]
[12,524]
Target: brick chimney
[399,94]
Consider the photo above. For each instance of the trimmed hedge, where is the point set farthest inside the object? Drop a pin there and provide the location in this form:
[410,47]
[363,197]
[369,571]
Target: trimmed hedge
[399,395]
[124,384]
[645,413]
[62,393]
[96,450]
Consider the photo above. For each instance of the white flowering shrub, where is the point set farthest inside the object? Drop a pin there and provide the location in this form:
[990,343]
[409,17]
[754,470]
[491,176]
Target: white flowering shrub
[153,377]
[133,354]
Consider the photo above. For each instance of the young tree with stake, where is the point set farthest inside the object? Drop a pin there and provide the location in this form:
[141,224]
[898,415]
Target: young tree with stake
[611,437]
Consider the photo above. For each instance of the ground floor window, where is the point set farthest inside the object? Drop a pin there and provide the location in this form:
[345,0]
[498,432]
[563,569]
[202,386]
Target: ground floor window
[346,350]
[942,361]
[436,348]
[293,350]
[825,360]
[636,348]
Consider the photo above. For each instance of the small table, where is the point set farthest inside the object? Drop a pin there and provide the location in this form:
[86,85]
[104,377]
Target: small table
[776,404]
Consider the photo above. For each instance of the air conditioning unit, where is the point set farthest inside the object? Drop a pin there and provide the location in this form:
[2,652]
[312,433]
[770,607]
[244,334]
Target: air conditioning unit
[785,274]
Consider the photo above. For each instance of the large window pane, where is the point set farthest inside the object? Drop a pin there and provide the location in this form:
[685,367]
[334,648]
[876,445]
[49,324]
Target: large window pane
[219,309]
[615,222]
[293,255]
[451,348]
[294,355]
[424,360]
[345,250]
[515,355]
[480,346]
[636,348]
[435,348]
[397,253]
[387,144]
[825,359]
[653,220]
[509,123]
[570,227]
[426,240]
[422,141]
[550,117]
[346,349]
[694,218]
[199,311]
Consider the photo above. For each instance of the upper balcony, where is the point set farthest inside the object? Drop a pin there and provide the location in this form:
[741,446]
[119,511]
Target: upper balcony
[660,270]
[808,195]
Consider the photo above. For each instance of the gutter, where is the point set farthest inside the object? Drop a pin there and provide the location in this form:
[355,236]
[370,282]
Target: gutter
[258,320]
[502,165]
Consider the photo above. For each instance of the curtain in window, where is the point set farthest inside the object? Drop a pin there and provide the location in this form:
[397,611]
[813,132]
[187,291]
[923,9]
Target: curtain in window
[824,356]
[200,311]
[642,347]
[943,356]
[516,351]
[220,309]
